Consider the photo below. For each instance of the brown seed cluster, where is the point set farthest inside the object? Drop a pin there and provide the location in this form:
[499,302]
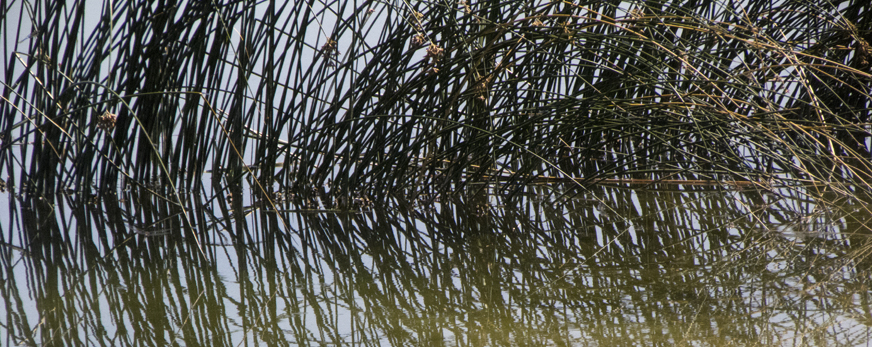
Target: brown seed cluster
[329,47]
[482,88]
[418,15]
[330,50]
[434,54]
[419,40]
[106,122]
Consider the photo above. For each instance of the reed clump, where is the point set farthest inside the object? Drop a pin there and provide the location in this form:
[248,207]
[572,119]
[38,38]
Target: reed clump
[434,98]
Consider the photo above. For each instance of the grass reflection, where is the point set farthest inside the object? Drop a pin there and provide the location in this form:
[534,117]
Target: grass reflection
[713,267]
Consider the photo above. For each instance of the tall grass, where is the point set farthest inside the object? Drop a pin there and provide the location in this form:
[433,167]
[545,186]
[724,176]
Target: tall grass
[372,97]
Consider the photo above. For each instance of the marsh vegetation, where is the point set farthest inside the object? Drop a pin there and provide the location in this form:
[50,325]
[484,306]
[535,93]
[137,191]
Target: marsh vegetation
[571,151]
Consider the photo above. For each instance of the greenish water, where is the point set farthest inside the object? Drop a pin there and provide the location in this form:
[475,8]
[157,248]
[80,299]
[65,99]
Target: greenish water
[612,266]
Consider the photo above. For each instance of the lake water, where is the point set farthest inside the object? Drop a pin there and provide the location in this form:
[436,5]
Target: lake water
[684,266]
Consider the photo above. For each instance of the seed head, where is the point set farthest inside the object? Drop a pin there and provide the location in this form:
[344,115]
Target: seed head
[434,52]
[106,122]
[419,40]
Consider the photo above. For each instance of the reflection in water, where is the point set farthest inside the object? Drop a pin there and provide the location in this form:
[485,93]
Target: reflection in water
[612,267]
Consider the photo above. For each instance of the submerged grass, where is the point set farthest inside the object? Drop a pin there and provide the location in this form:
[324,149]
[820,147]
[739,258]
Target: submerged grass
[368,98]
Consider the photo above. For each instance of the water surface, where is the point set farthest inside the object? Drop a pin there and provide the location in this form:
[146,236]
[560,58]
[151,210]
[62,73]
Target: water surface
[609,266]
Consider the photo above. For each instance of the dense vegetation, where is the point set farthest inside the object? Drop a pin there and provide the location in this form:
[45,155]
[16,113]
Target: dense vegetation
[210,152]
[365,98]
